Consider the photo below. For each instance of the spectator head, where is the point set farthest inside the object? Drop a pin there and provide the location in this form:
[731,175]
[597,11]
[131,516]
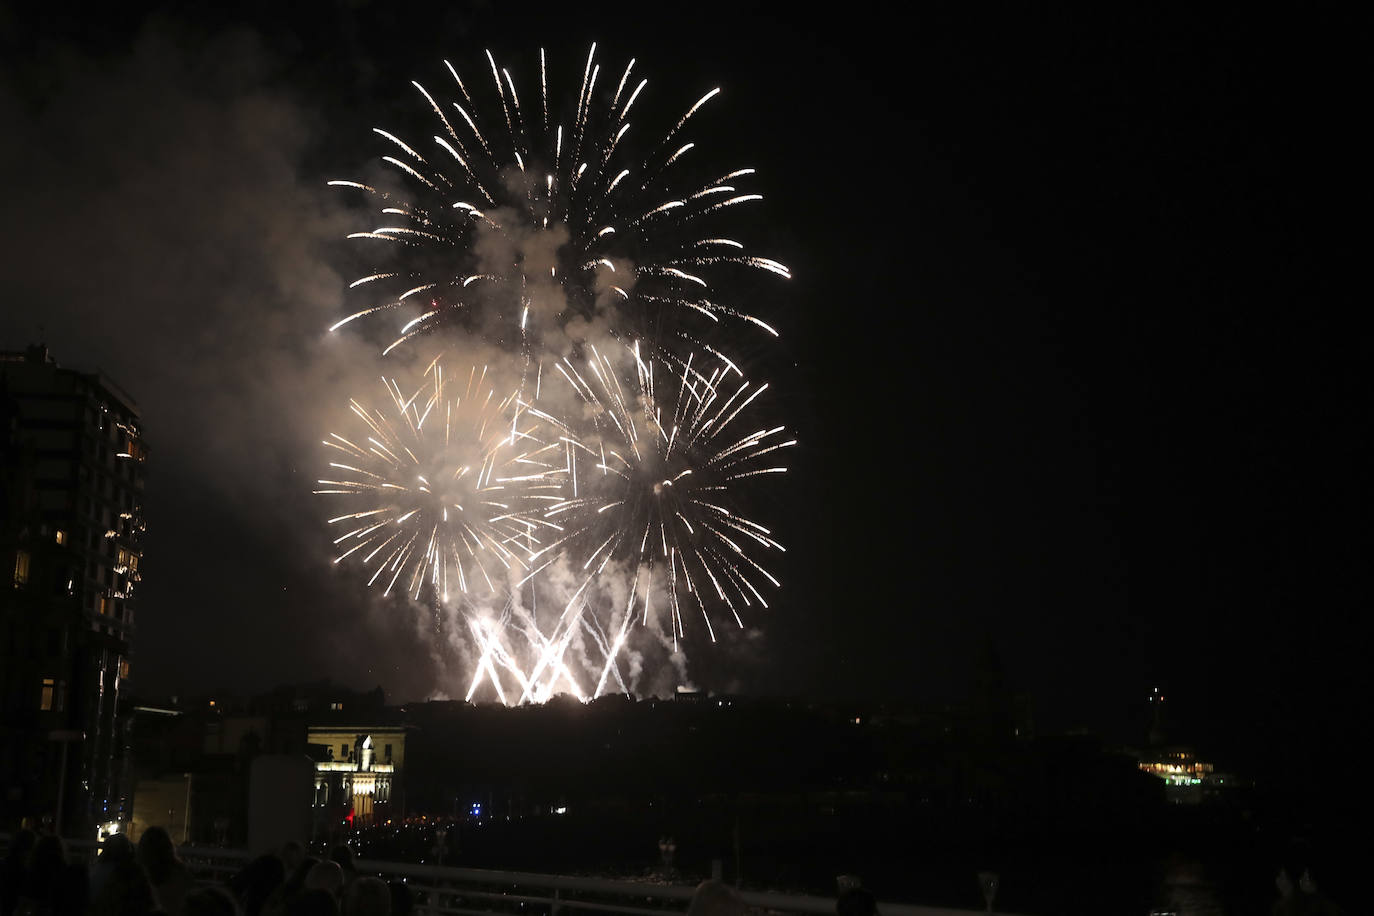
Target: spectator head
[295,879]
[326,876]
[367,897]
[714,898]
[256,882]
[125,890]
[292,855]
[117,851]
[343,855]
[157,854]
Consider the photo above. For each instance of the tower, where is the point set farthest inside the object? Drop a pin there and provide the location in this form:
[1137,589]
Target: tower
[71,491]
[1156,718]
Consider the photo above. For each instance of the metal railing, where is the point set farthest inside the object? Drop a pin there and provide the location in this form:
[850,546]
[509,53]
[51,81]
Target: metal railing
[442,890]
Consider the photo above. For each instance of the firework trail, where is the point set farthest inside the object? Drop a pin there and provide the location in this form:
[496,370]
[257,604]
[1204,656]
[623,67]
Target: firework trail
[523,663]
[523,227]
[654,483]
[440,486]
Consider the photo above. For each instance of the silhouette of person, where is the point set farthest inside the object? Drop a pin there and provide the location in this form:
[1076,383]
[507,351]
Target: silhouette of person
[52,886]
[119,885]
[343,855]
[171,880]
[256,882]
[326,876]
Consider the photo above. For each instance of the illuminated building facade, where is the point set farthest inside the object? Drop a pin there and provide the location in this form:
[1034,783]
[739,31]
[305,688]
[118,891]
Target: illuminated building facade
[1187,780]
[1177,766]
[71,475]
[359,773]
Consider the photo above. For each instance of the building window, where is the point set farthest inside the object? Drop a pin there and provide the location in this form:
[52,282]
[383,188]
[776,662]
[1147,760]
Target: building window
[21,568]
[343,751]
[62,537]
[105,606]
[386,750]
[45,700]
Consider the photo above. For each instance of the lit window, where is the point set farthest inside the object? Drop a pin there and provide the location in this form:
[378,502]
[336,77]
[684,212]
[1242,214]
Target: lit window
[61,537]
[21,568]
[45,701]
[105,605]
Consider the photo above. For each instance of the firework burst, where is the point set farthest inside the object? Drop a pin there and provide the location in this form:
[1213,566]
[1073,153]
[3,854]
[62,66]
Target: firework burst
[653,482]
[440,485]
[593,260]
[517,222]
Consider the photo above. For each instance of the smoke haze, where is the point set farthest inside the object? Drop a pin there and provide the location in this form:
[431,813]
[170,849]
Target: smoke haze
[179,238]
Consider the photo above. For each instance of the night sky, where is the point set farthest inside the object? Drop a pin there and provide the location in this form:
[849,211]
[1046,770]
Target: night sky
[1066,350]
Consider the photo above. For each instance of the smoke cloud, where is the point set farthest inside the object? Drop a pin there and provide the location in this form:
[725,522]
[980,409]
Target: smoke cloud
[175,243]
[177,240]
